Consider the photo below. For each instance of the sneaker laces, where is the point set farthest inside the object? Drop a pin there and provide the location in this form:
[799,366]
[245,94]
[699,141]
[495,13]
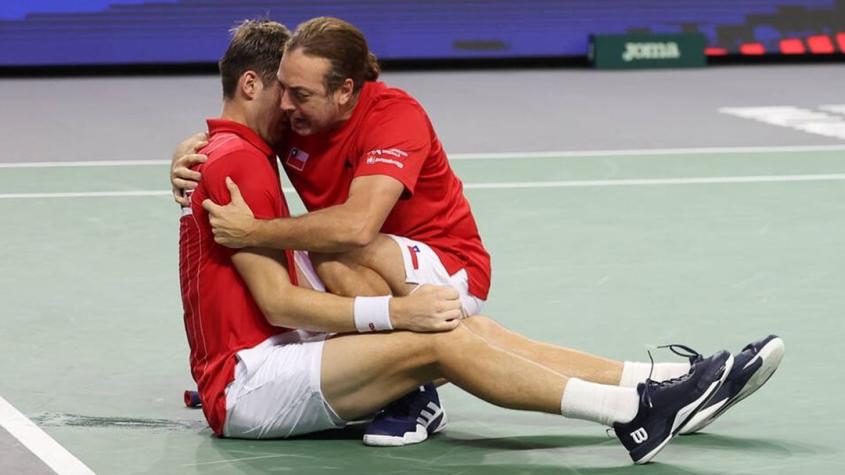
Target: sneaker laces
[683,351]
[652,385]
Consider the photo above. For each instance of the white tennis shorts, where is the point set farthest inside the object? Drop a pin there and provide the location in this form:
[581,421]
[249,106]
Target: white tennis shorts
[276,392]
[423,266]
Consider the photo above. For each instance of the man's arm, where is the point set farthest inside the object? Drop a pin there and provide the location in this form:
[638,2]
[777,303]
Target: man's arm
[339,228]
[429,309]
[184,157]
[396,147]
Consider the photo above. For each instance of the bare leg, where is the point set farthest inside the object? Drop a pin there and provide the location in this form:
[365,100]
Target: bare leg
[382,261]
[572,363]
[362,373]
[377,269]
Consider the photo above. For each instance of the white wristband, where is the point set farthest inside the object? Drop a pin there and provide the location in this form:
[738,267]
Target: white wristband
[372,314]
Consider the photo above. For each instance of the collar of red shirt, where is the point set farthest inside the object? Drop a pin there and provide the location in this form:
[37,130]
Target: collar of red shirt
[216,126]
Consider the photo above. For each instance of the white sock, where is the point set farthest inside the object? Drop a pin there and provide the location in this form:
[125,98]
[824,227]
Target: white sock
[599,402]
[634,373]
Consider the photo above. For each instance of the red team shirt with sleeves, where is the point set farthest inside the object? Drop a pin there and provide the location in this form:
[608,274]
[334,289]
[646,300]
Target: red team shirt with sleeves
[221,317]
[390,134]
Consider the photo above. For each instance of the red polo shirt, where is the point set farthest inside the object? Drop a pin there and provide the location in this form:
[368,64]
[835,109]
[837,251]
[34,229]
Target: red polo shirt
[221,317]
[390,134]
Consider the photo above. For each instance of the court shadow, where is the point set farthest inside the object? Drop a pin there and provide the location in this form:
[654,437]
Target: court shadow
[744,444]
[352,432]
[446,456]
[527,442]
[563,469]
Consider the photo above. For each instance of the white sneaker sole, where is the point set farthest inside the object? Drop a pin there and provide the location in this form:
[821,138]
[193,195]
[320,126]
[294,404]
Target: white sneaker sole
[409,438]
[771,354]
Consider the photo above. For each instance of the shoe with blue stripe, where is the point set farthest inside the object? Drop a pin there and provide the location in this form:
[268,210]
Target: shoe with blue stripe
[666,406]
[408,420]
[753,366]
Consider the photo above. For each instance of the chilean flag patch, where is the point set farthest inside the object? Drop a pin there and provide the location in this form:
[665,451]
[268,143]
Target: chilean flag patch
[413,250]
[296,159]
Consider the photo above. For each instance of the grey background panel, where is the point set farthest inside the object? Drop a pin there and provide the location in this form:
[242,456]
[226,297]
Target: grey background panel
[482,111]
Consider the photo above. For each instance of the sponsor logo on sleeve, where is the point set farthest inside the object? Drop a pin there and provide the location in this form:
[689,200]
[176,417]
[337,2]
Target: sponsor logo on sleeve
[296,159]
[390,156]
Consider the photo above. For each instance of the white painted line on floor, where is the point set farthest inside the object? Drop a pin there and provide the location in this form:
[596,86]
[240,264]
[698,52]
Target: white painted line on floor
[84,194]
[88,163]
[489,156]
[797,118]
[39,443]
[646,152]
[835,108]
[657,181]
[503,185]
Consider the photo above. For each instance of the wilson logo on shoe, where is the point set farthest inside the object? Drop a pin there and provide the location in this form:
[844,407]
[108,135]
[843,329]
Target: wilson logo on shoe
[639,435]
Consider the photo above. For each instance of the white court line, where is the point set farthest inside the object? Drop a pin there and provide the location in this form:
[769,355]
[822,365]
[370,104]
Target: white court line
[489,156]
[503,185]
[85,194]
[657,181]
[646,152]
[39,443]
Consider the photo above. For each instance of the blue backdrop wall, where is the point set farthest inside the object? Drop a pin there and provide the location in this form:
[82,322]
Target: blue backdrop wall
[84,32]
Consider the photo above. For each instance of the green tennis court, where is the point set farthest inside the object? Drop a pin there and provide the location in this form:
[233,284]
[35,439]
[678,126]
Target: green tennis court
[606,253]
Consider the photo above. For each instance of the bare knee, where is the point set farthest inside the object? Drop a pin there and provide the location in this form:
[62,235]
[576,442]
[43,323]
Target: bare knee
[455,342]
[328,264]
[331,271]
[342,275]
[483,326]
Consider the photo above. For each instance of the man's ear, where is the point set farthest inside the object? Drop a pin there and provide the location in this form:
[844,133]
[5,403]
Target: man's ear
[248,84]
[345,92]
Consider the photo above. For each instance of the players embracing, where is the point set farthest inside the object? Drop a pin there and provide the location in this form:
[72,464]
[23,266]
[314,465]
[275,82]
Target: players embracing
[386,213]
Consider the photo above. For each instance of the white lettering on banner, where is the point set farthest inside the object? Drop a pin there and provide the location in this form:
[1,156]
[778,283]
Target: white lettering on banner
[828,124]
[668,50]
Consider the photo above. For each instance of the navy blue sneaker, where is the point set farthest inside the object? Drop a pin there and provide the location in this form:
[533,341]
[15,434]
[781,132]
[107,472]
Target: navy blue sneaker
[753,366]
[667,405]
[408,420]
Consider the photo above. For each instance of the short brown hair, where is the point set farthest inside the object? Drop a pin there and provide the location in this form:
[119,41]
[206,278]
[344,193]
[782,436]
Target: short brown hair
[343,45]
[256,45]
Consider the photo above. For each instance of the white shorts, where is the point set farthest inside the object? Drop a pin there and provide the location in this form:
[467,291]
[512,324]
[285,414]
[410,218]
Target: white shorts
[276,392]
[423,266]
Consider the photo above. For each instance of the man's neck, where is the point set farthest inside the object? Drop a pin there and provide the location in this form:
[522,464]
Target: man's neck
[235,113]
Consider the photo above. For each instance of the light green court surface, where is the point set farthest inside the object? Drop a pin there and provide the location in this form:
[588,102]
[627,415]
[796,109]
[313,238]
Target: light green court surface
[94,349]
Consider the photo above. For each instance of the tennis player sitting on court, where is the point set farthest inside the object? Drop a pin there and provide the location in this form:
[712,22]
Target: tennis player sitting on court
[365,160]
[272,359]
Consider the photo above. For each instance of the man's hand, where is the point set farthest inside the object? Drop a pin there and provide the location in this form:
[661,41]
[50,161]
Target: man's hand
[429,308]
[184,157]
[233,224]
